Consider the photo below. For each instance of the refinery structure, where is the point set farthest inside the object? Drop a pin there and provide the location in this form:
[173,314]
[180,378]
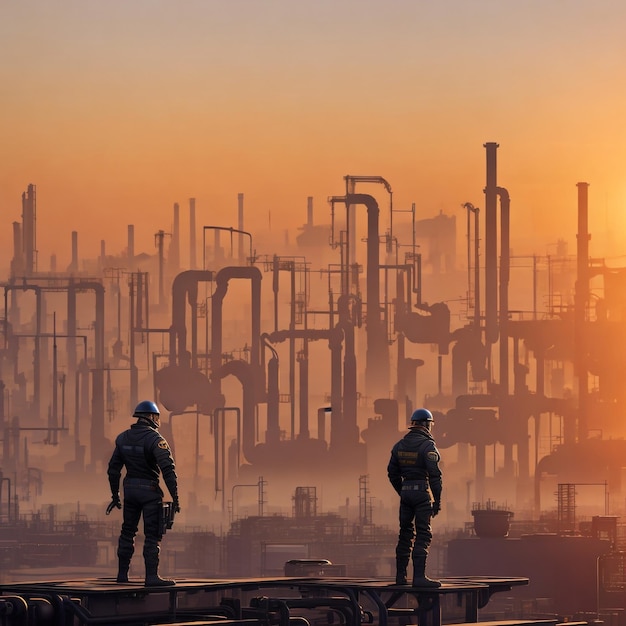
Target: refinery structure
[285,373]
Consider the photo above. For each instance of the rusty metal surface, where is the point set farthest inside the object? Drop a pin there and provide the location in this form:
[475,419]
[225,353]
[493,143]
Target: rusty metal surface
[104,601]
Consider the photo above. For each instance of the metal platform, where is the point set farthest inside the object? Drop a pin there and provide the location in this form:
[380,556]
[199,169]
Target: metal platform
[281,601]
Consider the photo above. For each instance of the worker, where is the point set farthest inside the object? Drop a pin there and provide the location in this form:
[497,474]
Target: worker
[414,473]
[145,454]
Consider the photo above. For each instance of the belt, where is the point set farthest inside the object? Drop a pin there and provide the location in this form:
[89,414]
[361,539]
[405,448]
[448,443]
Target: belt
[422,486]
[141,482]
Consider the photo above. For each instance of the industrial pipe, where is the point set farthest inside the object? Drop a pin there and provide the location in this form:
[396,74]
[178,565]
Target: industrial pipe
[185,286]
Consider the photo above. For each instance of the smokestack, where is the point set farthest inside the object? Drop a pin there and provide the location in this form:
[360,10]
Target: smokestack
[160,238]
[491,245]
[192,233]
[242,256]
[309,211]
[131,246]
[174,251]
[29,219]
[581,300]
[102,254]
[351,226]
[74,263]
[17,264]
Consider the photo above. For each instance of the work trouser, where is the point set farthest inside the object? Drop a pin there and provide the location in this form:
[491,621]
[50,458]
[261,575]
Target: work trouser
[415,514]
[141,497]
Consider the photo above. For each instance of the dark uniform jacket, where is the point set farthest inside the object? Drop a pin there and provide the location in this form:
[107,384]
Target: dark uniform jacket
[145,453]
[416,458]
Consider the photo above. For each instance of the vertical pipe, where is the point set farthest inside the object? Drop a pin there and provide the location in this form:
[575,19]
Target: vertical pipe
[309,211]
[350,237]
[39,324]
[535,287]
[491,246]
[17,263]
[292,352]
[335,387]
[99,443]
[193,307]
[176,237]
[469,258]
[102,254]
[303,363]
[401,309]
[72,361]
[581,300]
[160,238]
[349,426]
[192,234]
[505,205]
[29,219]
[273,428]
[139,302]
[174,251]
[275,288]
[131,247]
[55,392]
[321,423]
[476,271]
[77,446]
[74,263]
[134,371]
[377,353]
[351,225]
[242,254]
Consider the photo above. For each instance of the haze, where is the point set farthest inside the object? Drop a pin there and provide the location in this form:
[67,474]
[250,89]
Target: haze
[115,110]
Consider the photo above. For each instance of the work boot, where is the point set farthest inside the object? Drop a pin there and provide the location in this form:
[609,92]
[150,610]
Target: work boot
[122,575]
[122,570]
[419,577]
[401,565]
[154,580]
[152,575]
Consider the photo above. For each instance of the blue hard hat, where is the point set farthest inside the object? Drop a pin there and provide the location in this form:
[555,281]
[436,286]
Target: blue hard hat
[422,415]
[146,407]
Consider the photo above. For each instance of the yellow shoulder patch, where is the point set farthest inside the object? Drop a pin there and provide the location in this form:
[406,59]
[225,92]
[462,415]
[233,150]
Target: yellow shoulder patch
[432,456]
[163,445]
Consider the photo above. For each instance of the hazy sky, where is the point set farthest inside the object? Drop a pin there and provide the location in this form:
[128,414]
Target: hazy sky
[116,109]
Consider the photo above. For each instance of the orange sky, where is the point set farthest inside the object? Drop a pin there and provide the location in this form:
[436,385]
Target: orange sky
[118,109]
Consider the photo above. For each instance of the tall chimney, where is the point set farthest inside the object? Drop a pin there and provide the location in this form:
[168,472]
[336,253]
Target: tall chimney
[242,256]
[131,247]
[74,263]
[174,250]
[102,254]
[192,233]
[29,219]
[309,211]
[17,264]
[581,300]
[160,238]
[491,245]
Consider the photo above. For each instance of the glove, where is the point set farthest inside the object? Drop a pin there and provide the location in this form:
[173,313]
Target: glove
[436,508]
[176,505]
[115,503]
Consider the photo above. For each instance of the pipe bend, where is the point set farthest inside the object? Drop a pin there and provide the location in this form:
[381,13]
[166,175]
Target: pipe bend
[236,271]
